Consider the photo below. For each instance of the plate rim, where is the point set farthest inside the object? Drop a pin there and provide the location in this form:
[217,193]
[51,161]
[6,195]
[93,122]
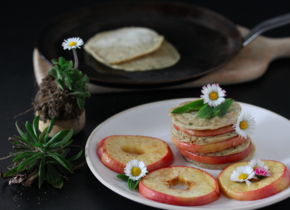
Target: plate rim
[151,203]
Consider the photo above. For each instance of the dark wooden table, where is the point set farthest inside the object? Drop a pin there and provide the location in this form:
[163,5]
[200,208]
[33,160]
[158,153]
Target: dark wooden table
[20,22]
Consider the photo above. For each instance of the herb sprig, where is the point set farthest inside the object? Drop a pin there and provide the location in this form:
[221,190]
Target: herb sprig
[204,110]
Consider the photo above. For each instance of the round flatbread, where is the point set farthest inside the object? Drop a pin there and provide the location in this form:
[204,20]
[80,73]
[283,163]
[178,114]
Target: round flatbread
[191,121]
[200,140]
[221,166]
[164,57]
[124,44]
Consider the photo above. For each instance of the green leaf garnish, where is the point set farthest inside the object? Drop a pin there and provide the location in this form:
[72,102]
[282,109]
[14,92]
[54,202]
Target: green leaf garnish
[195,105]
[42,157]
[206,111]
[123,177]
[223,107]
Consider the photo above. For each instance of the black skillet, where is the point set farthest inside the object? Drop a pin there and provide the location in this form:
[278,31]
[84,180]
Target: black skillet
[205,40]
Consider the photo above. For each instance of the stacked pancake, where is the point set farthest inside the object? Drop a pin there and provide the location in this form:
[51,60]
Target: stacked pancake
[210,143]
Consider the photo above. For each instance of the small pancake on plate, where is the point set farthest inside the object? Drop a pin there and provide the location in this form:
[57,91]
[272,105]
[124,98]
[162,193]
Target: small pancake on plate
[124,44]
[200,140]
[191,121]
[164,57]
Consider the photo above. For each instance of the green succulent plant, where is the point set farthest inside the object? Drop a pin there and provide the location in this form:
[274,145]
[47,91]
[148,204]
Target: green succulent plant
[39,156]
[70,79]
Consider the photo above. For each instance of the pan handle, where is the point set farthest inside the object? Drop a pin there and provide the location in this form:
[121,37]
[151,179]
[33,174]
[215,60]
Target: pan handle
[265,26]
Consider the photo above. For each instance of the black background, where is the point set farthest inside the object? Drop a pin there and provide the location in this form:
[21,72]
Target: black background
[20,22]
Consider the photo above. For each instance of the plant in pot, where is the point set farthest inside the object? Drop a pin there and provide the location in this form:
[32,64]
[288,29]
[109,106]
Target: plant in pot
[62,94]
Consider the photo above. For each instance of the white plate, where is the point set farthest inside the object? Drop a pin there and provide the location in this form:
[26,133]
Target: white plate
[271,138]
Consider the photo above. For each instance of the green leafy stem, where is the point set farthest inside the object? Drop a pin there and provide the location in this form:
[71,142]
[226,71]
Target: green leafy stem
[71,80]
[34,151]
[204,110]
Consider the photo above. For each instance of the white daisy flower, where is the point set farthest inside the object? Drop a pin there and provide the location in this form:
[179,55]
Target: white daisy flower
[243,174]
[135,169]
[255,163]
[72,43]
[213,95]
[245,125]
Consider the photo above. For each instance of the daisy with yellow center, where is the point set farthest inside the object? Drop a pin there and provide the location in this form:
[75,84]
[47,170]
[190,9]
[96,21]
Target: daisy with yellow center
[243,174]
[213,95]
[72,43]
[255,163]
[135,170]
[245,125]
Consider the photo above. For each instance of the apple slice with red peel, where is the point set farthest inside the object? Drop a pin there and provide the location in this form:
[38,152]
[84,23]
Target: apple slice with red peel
[214,147]
[217,159]
[116,151]
[268,186]
[201,187]
[216,132]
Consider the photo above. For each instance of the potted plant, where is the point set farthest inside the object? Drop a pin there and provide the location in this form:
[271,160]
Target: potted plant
[62,94]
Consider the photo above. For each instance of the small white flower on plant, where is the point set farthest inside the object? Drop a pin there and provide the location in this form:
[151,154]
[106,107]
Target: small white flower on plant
[72,43]
[243,174]
[135,169]
[213,95]
[245,125]
[255,163]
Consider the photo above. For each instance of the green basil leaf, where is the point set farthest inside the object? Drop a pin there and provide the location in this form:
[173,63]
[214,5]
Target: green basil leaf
[223,107]
[195,105]
[136,183]
[206,111]
[130,183]
[123,177]
[54,61]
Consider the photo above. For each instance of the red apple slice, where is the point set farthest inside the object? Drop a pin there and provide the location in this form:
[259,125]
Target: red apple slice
[202,188]
[216,159]
[214,147]
[277,182]
[116,151]
[216,132]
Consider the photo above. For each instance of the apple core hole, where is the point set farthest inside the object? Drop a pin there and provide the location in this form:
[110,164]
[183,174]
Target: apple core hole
[178,184]
[132,150]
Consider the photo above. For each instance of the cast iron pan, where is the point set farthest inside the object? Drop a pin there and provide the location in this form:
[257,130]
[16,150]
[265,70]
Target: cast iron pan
[204,39]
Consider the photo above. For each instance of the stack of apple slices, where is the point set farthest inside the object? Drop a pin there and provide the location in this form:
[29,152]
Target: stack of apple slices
[210,143]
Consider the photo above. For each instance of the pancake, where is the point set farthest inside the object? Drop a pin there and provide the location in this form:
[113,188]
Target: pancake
[191,121]
[200,140]
[221,166]
[229,151]
[124,44]
[164,57]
